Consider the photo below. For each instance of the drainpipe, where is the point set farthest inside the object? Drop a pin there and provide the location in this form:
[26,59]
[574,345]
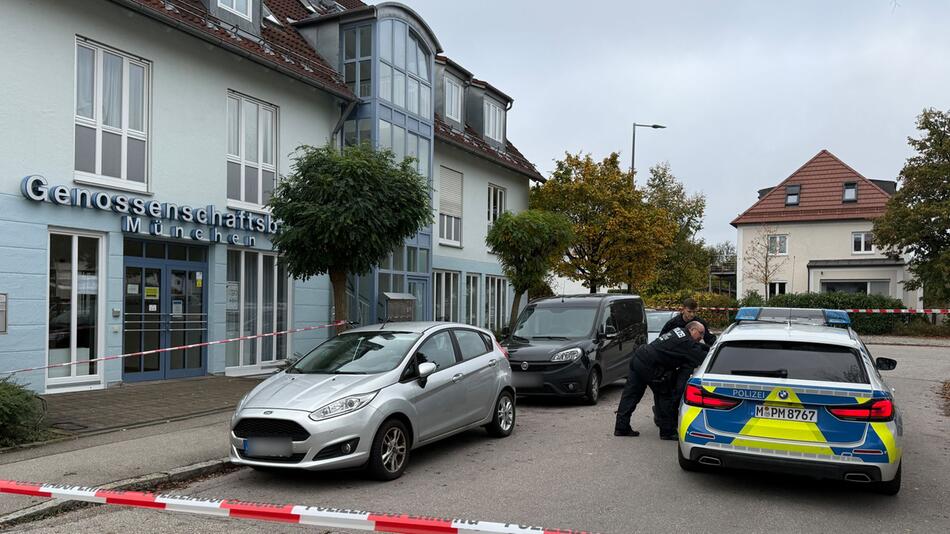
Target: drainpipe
[346,113]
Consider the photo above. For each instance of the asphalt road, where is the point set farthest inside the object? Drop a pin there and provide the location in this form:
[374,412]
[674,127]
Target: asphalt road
[563,468]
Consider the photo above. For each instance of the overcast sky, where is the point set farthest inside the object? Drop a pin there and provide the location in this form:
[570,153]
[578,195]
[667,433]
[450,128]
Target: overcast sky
[748,90]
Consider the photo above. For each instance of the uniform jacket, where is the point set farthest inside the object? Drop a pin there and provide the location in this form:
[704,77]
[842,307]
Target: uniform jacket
[677,321]
[671,350]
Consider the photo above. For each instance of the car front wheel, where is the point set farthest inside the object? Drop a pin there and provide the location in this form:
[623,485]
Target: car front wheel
[503,422]
[592,394]
[389,455]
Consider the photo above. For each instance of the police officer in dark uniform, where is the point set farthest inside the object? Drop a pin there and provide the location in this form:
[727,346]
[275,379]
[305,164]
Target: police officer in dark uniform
[687,314]
[677,348]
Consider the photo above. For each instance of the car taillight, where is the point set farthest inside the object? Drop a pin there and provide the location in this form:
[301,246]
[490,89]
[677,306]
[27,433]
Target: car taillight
[697,396]
[879,410]
[502,349]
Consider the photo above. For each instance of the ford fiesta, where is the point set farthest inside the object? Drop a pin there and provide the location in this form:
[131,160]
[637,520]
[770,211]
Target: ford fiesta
[369,396]
[793,391]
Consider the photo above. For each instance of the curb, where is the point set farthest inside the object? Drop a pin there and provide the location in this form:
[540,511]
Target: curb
[145,482]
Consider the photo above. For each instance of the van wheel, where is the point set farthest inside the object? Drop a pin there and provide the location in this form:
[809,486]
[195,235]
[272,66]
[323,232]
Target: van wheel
[592,393]
[685,464]
[891,487]
[389,454]
[503,422]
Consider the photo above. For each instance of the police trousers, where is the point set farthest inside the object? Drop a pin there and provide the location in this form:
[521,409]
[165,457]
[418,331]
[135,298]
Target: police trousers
[640,378]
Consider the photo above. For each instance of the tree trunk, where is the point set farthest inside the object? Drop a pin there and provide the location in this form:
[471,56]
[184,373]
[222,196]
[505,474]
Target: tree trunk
[515,305]
[338,282]
[593,288]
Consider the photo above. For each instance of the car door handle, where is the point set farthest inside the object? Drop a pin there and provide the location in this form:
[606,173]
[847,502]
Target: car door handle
[491,363]
[457,377]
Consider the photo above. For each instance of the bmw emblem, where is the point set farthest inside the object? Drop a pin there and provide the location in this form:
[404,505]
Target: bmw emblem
[524,366]
[268,412]
[783,394]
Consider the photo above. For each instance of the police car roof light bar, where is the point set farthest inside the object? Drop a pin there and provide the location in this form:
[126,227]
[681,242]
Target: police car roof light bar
[837,317]
[748,314]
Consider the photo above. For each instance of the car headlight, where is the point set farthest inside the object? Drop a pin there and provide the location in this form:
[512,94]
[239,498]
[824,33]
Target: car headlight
[343,406]
[568,355]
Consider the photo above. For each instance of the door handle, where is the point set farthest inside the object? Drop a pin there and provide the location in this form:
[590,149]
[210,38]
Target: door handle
[491,363]
[457,377]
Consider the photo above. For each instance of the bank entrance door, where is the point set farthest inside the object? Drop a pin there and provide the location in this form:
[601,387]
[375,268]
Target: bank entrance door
[164,307]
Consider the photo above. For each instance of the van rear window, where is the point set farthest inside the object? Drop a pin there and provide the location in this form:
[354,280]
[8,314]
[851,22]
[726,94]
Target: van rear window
[787,359]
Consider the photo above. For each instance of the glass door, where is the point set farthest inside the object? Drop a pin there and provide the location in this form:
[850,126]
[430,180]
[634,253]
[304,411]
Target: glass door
[142,324]
[419,288]
[187,323]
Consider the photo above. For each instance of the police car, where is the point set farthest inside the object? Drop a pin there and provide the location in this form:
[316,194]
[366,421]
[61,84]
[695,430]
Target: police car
[796,391]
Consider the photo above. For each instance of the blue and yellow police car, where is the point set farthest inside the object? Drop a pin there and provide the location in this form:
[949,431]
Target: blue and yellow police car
[795,391]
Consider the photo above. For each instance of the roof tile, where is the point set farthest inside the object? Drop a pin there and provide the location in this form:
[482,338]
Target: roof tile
[510,158]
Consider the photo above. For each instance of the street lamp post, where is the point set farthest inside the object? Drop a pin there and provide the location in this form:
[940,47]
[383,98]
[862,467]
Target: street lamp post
[633,144]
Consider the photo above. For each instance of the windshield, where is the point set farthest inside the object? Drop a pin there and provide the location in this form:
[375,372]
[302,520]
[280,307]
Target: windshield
[656,320]
[357,354]
[555,323]
[787,359]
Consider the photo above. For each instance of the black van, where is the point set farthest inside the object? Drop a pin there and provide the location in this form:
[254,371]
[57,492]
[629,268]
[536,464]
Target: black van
[572,345]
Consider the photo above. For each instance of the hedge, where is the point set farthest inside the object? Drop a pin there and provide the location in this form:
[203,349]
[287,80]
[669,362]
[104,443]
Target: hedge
[862,323]
[21,415]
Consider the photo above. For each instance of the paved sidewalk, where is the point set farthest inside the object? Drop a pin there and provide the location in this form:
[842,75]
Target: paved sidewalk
[131,405]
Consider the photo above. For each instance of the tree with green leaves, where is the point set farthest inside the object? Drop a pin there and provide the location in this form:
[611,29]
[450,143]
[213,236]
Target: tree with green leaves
[618,238]
[917,220]
[528,246]
[342,212]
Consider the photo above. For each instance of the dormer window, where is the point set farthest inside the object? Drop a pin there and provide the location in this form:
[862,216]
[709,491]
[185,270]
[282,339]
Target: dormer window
[792,194]
[238,7]
[850,192]
[453,99]
[494,121]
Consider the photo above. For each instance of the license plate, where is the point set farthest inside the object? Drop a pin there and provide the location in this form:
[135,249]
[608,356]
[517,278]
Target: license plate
[787,414]
[268,447]
[527,380]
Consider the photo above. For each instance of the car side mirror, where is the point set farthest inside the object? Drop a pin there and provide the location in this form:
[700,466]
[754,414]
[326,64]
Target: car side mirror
[426,369]
[885,364]
[609,331]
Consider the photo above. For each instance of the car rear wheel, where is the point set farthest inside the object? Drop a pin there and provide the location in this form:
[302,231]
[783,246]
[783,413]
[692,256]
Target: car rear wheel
[891,487]
[592,393]
[503,422]
[389,454]
[686,464]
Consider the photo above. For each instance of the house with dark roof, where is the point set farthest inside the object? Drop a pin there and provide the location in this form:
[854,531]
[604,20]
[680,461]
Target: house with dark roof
[145,138]
[813,233]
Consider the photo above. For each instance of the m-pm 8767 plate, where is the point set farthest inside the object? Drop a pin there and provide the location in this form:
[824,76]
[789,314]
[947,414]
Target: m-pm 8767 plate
[783,413]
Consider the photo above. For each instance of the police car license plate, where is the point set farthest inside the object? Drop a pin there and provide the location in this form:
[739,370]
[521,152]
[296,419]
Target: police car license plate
[787,414]
[268,447]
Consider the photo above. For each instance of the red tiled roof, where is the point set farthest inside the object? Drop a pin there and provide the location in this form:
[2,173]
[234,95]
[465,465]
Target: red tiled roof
[280,46]
[471,141]
[822,181]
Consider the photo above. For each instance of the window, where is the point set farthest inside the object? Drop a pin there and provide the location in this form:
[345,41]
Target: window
[471,344]
[862,243]
[861,287]
[357,131]
[112,116]
[453,99]
[496,303]
[778,245]
[450,206]
[358,60]
[252,144]
[404,69]
[446,294]
[776,288]
[238,7]
[792,194]
[494,121]
[850,192]
[439,350]
[257,302]
[74,281]
[3,313]
[792,360]
[471,299]
[496,203]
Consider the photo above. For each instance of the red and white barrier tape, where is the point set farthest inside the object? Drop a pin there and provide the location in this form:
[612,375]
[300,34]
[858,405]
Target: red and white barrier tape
[942,311]
[169,349]
[282,513]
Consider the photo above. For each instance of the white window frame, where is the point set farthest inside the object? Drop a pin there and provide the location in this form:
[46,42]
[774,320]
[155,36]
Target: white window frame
[239,158]
[97,178]
[447,234]
[472,299]
[494,121]
[92,381]
[497,302]
[778,241]
[453,98]
[446,284]
[243,367]
[850,186]
[768,291]
[864,243]
[231,7]
[495,208]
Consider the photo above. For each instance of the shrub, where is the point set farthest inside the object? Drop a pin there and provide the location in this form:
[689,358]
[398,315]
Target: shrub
[21,415]
[862,323]
[752,298]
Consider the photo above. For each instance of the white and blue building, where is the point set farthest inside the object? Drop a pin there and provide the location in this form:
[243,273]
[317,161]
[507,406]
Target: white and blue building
[143,138]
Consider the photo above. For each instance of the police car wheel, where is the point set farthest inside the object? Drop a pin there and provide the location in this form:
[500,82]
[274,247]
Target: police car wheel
[891,487]
[686,465]
[592,393]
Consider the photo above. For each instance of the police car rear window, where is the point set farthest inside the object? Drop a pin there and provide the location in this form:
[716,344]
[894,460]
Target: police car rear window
[786,359]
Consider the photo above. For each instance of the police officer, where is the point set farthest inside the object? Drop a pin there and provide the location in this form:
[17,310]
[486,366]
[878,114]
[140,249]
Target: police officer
[677,348]
[688,313]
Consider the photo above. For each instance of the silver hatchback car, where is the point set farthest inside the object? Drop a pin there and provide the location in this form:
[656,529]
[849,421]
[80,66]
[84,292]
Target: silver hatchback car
[370,395]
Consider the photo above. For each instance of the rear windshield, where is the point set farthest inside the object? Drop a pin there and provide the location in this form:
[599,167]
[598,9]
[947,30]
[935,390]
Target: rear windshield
[786,359]
[657,320]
